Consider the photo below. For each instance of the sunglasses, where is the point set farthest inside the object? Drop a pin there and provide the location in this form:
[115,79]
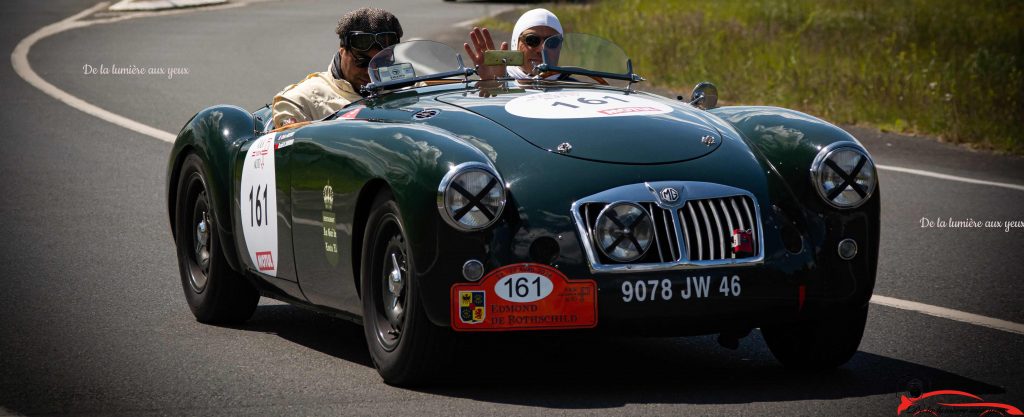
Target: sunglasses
[364,41]
[533,41]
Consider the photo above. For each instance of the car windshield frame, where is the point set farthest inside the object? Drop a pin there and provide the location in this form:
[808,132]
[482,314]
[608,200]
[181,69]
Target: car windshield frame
[376,87]
[558,40]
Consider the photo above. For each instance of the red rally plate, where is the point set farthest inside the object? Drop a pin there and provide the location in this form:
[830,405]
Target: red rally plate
[524,297]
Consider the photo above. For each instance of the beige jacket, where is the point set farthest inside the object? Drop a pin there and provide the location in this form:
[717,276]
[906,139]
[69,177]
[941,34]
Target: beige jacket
[314,98]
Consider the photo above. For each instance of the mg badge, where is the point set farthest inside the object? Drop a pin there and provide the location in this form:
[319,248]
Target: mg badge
[708,140]
[669,195]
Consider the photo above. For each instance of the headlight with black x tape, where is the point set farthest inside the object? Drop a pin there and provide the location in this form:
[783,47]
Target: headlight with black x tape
[844,175]
[624,231]
[471,196]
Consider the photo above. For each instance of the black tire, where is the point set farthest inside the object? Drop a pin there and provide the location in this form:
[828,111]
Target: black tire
[216,294]
[405,346]
[817,344]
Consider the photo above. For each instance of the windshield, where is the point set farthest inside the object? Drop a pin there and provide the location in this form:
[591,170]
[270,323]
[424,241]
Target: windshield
[574,57]
[409,62]
[583,51]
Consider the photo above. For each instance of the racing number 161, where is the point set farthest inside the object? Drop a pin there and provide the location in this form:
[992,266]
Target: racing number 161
[258,210]
[585,100]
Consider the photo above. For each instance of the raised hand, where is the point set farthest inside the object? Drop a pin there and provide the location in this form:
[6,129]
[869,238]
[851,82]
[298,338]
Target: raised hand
[482,42]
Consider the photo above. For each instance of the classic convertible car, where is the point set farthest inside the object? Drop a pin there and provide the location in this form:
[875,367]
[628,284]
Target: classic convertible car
[441,205]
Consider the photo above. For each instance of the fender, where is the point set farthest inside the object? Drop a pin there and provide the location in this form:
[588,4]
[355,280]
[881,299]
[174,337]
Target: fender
[215,135]
[360,157]
[789,141]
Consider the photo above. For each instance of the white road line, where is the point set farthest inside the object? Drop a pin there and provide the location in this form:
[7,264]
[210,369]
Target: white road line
[950,177]
[948,313]
[19,59]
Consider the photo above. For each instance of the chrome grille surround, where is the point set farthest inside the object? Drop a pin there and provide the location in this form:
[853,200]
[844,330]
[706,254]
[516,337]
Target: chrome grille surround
[648,195]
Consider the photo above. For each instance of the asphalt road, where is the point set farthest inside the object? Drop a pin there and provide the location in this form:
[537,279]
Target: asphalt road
[93,320]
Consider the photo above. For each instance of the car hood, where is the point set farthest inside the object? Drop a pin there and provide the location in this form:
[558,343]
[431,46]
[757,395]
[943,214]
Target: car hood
[604,125]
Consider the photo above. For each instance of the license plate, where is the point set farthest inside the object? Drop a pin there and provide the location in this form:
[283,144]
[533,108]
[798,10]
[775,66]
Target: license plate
[691,288]
[524,297]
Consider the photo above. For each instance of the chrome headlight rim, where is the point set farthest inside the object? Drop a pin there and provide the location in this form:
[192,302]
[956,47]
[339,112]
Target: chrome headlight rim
[596,238]
[446,183]
[819,165]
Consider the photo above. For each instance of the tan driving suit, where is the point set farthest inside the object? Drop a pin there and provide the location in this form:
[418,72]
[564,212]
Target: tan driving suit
[314,98]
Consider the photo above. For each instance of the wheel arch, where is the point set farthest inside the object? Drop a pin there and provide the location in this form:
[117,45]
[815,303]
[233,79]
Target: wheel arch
[215,135]
[410,161]
[364,203]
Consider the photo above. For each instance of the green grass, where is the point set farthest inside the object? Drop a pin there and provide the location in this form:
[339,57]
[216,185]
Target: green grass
[952,68]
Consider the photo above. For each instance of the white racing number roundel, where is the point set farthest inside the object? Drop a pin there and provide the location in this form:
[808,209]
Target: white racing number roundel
[583,105]
[524,287]
[257,203]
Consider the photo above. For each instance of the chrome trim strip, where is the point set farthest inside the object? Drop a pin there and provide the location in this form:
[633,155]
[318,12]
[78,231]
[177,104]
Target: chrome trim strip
[696,228]
[657,241]
[739,216]
[669,231]
[711,232]
[718,226]
[728,220]
[688,190]
[682,236]
[753,222]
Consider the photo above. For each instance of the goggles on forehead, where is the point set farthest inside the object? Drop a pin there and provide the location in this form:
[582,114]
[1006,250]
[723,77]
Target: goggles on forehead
[364,41]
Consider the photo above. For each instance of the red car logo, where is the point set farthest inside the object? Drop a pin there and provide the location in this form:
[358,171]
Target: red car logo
[938,403]
[265,261]
[742,242]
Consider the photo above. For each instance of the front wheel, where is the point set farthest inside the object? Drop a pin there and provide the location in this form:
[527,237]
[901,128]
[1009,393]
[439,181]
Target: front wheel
[215,293]
[816,344]
[405,346]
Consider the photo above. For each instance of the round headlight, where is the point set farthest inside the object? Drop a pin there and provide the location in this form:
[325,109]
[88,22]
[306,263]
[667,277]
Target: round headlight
[844,175]
[471,196]
[623,231]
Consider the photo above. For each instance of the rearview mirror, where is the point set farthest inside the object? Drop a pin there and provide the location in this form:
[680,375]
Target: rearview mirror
[507,58]
[705,96]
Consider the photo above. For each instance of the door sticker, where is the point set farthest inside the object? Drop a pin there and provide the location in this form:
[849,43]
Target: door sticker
[583,105]
[330,230]
[257,202]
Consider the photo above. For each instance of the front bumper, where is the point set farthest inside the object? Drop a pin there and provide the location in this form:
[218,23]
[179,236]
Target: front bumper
[787,285]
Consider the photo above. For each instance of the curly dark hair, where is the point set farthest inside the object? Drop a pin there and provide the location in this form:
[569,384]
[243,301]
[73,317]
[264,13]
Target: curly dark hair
[367,19]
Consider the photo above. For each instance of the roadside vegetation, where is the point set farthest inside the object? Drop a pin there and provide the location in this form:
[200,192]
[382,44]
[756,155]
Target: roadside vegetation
[950,68]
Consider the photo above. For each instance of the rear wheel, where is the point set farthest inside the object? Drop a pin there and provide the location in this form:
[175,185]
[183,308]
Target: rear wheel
[405,346]
[215,293]
[816,344]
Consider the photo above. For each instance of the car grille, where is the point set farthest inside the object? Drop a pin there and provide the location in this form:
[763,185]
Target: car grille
[708,226]
[693,232]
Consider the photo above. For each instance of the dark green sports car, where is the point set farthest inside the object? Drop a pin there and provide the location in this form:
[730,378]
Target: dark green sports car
[440,205]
